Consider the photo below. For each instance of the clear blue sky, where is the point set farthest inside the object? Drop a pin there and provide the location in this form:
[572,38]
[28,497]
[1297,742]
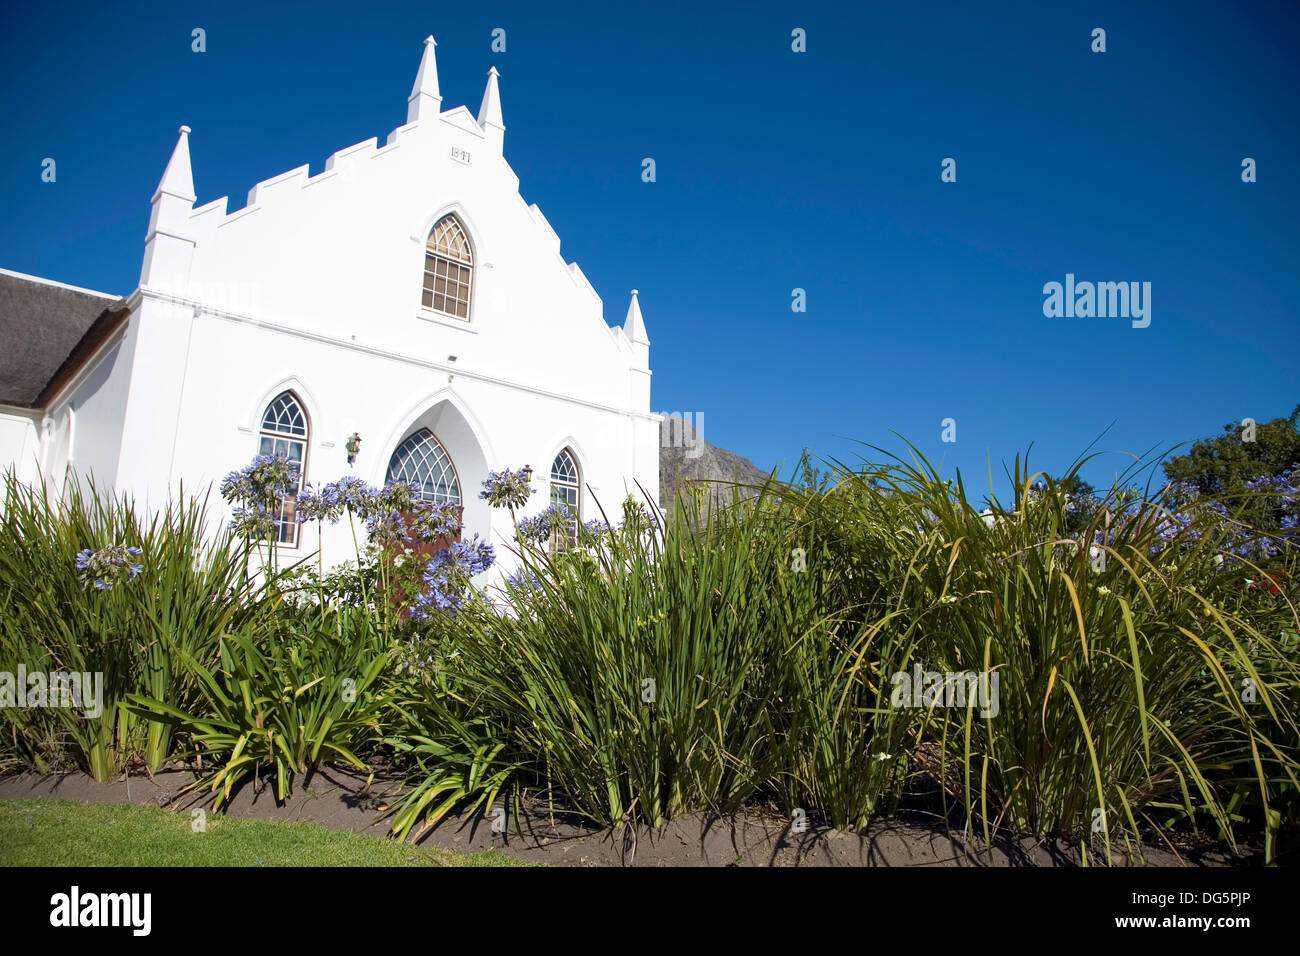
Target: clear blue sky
[776,170]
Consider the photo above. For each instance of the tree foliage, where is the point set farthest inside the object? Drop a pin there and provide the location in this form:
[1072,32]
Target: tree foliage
[1223,465]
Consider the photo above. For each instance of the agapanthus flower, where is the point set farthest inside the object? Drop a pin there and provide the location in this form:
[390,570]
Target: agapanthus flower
[351,494]
[1280,485]
[318,506]
[432,521]
[265,481]
[534,529]
[1182,490]
[1081,504]
[255,521]
[448,573]
[524,579]
[475,555]
[537,528]
[507,489]
[386,527]
[397,496]
[103,568]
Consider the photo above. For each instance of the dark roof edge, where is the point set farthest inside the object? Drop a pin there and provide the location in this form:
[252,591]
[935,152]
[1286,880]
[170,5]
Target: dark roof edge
[109,321]
[41,280]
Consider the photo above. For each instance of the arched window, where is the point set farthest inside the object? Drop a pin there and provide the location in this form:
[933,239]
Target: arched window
[566,493]
[448,268]
[284,433]
[423,460]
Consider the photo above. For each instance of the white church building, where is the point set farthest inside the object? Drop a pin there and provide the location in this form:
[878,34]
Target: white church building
[406,294]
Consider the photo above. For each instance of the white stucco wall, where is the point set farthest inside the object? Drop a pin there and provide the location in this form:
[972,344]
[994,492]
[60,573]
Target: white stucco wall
[236,367]
[20,447]
[98,402]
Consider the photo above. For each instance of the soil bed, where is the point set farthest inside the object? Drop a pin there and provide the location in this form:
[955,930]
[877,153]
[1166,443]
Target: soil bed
[340,800]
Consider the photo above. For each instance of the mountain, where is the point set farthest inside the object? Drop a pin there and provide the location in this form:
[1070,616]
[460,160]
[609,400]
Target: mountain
[685,457]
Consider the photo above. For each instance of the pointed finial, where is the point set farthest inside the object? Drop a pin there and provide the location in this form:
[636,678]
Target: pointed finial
[489,113]
[178,177]
[425,99]
[634,324]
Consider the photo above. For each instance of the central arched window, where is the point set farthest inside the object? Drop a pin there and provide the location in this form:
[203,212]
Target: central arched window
[448,268]
[422,459]
[566,494]
[284,433]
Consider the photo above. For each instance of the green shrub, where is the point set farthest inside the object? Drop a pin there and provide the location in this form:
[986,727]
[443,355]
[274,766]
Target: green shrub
[283,703]
[189,591]
[1120,670]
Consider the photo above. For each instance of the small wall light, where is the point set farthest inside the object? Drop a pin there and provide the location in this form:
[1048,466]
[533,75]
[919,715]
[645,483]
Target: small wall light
[354,447]
[528,473]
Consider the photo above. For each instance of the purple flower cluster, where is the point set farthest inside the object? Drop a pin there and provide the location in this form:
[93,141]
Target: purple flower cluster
[1282,485]
[538,528]
[103,568]
[391,513]
[255,521]
[265,481]
[507,489]
[524,580]
[433,521]
[349,494]
[447,576]
[387,527]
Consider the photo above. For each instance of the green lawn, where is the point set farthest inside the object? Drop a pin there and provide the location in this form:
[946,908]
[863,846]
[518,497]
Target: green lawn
[46,832]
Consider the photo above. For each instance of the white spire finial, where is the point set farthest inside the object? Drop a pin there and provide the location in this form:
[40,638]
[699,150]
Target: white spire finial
[178,177]
[425,100]
[634,324]
[489,113]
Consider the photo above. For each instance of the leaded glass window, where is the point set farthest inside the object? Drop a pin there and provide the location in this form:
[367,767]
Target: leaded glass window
[448,268]
[566,494]
[422,459]
[284,433]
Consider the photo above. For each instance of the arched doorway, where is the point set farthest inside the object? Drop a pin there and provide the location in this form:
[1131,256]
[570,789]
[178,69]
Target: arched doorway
[439,449]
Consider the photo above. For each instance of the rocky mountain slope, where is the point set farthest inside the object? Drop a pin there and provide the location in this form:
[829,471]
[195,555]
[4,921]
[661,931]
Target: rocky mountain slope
[685,457]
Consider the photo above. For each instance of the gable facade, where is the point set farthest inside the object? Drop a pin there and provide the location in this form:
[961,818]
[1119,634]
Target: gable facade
[406,292]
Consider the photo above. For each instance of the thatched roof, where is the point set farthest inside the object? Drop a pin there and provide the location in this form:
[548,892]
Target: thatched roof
[49,331]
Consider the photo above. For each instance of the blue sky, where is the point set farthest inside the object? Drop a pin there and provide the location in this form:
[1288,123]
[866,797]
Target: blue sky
[776,170]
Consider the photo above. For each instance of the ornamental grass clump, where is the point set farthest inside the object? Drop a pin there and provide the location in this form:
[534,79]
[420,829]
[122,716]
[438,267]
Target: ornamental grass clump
[88,584]
[280,705]
[1135,689]
[669,664]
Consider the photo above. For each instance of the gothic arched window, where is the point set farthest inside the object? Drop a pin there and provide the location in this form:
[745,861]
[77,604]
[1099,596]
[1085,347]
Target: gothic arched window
[422,459]
[284,433]
[448,268]
[566,494]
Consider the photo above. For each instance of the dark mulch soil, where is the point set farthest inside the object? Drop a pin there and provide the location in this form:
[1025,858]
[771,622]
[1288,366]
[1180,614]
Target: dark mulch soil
[340,800]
